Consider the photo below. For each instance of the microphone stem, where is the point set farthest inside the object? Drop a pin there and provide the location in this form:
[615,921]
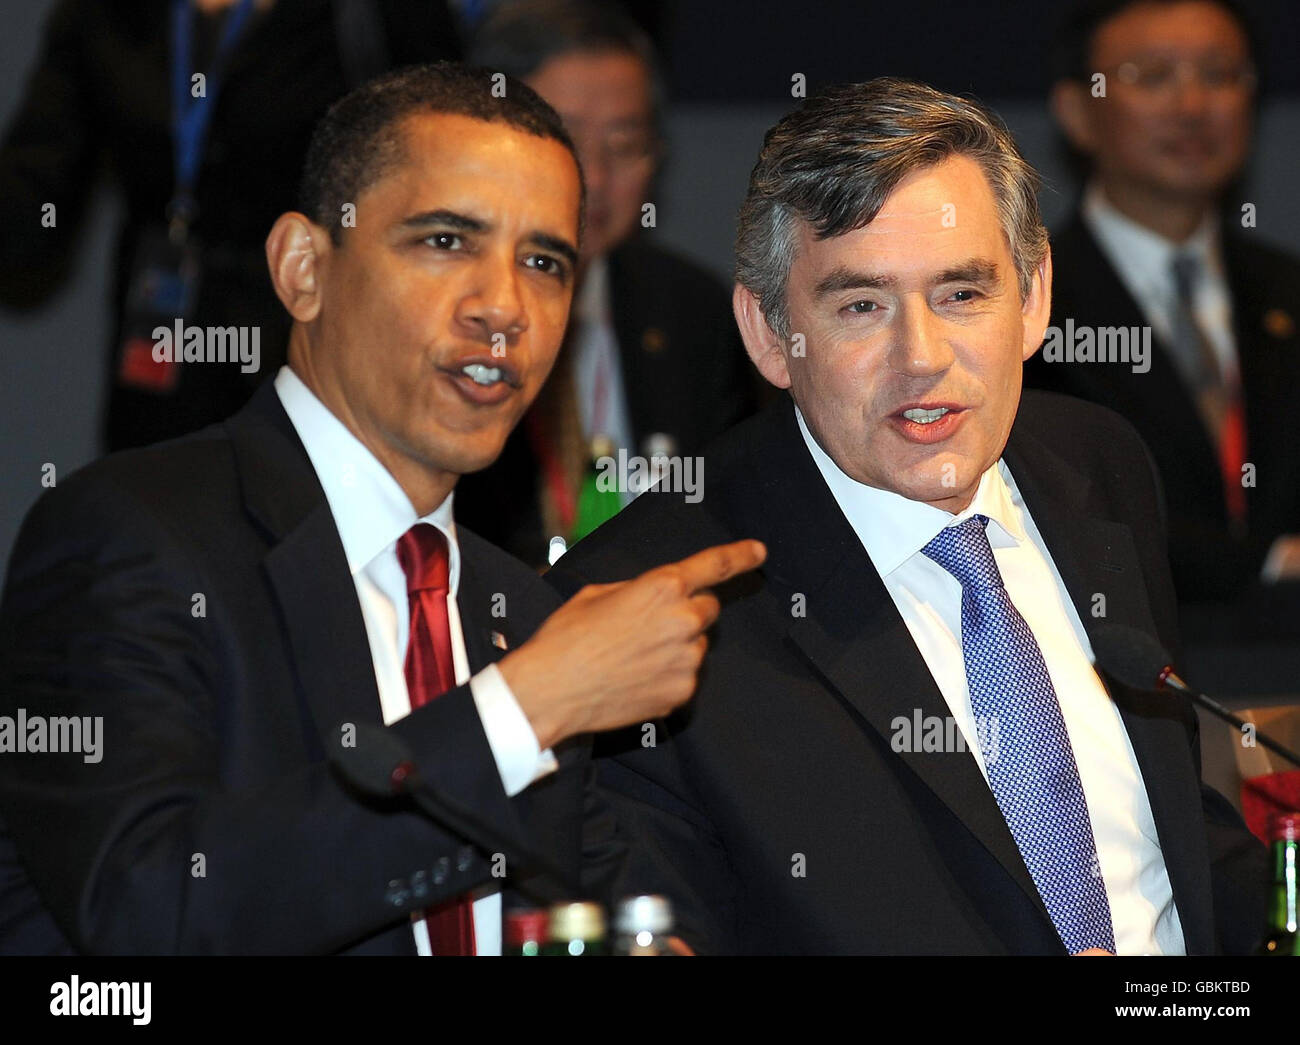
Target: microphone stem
[1215,708]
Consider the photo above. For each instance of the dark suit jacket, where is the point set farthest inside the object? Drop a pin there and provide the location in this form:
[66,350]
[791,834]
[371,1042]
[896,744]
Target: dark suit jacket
[217,727]
[685,373]
[1209,562]
[774,810]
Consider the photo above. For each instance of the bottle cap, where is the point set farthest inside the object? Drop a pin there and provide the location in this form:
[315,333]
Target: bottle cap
[577,921]
[525,925]
[644,914]
[1284,827]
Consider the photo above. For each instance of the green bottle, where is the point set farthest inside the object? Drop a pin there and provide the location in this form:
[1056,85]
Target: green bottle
[1283,931]
[575,930]
[597,501]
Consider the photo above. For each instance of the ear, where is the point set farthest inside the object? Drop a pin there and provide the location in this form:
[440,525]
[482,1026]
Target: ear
[765,349]
[1075,108]
[1036,312]
[296,251]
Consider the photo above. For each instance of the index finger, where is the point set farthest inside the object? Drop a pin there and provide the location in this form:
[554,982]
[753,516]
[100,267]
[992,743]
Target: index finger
[719,563]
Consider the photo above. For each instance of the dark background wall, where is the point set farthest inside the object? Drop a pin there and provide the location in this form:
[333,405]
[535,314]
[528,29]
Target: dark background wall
[730,64]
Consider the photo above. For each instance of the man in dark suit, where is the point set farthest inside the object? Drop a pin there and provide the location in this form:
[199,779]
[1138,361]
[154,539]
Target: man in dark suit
[900,743]
[206,625]
[651,363]
[1159,247]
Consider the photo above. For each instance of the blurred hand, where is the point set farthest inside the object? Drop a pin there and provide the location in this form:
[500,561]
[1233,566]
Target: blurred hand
[1283,562]
[1093,952]
[618,654]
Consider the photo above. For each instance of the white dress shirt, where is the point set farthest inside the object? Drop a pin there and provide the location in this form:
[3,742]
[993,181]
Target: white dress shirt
[1143,261]
[597,369]
[893,530]
[371,512]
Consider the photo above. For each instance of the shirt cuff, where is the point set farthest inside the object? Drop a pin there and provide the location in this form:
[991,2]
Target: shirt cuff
[509,734]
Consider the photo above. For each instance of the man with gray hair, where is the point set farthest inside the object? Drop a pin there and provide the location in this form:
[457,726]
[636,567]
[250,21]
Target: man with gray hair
[901,742]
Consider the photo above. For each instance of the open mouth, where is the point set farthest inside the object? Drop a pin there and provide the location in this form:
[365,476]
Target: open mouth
[483,375]
[928,423]
[925,417]
[484,381]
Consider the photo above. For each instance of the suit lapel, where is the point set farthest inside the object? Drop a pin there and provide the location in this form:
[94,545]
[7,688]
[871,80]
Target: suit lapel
[307,568]
[854,637]
[487,630]
[475,601]
[1266,342]
[1094,289]
[628,317]
[1097,557]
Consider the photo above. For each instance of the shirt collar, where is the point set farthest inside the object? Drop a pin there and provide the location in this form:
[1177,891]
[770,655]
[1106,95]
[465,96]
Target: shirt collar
[893,528]
[591,303]
[370,509]
[1142,256]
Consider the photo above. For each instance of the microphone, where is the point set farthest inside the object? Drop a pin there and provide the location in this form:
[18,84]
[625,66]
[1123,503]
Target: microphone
[382,765]
[1138,660]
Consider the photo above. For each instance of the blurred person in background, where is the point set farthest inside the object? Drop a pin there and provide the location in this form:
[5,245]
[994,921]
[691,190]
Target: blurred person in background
[652,363]
[1158,97]
[199,111]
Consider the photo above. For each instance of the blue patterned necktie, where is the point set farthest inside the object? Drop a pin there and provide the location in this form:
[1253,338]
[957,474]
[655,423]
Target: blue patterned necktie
[1032,771]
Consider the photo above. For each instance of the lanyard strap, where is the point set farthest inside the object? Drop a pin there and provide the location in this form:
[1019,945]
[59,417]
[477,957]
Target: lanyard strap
[192,116]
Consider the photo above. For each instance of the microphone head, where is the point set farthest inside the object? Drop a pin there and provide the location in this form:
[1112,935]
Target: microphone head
[1130,655]
[378,762]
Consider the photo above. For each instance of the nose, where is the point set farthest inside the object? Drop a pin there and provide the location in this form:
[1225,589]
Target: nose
[493,304]
[919,347]
[594,158]
[1191,95]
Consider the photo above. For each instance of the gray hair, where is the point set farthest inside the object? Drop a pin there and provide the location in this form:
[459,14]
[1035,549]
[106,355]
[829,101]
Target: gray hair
[833,161]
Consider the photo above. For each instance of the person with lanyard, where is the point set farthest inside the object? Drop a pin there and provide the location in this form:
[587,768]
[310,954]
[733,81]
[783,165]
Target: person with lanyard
[198,115]
[168,265]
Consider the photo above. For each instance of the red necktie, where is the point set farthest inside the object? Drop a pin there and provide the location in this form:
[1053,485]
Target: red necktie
[431,672]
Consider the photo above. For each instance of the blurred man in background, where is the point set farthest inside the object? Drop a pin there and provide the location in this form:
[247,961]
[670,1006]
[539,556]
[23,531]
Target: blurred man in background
[1159,99]
[651,363]
[199,111]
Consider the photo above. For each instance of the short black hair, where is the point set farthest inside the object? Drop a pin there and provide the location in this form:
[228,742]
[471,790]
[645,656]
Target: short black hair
[521,36]
[357,141]
[1072,50]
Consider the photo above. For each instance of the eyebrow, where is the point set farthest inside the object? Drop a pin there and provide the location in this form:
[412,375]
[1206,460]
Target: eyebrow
[450,219]
[974,270]
[446,218]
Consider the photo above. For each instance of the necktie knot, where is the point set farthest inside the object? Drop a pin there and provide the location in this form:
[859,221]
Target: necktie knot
[965,552]
[422,552]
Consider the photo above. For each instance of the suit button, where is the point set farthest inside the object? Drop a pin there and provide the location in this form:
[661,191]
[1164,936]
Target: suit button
[464,857]
[441,870]
[420,885]
[398,894]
